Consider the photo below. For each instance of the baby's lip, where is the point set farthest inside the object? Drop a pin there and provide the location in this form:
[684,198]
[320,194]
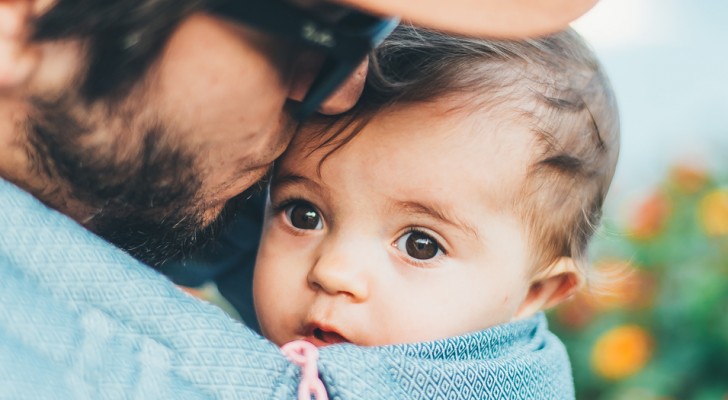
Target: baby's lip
[321,335]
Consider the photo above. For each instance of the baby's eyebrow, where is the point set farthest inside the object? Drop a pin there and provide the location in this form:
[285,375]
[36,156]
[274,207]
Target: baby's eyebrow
[437,212]
[288,178]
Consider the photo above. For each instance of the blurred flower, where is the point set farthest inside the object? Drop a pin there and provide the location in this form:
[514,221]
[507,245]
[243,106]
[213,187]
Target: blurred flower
[650,217]
[625,286]
[621,352]
[193,292]
[615,284]
[713,209]
[687,178]
[575,313]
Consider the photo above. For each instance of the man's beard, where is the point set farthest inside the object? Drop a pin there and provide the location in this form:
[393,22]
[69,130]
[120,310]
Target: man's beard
[158,236]
[147,204]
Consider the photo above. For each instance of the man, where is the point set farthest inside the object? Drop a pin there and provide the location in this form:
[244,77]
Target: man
[145,122]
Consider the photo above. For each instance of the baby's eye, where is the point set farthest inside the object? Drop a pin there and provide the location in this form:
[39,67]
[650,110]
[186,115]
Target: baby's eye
[419,245]
[304,216]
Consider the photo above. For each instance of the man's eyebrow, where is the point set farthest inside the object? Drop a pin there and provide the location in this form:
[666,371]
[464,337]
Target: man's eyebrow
[433,211]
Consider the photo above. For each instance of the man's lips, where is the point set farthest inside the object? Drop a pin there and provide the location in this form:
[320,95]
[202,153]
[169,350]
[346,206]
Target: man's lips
[321,336]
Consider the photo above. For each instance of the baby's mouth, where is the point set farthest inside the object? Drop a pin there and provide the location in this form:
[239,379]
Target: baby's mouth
[321,337]
[328,336]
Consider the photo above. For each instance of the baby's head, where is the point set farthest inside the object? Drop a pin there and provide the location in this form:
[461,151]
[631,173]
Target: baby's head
[459,194]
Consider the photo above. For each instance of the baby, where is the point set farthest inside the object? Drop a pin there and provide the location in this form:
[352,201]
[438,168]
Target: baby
[459,194]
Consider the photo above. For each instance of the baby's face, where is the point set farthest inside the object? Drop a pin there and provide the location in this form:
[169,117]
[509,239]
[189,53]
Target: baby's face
[406,235]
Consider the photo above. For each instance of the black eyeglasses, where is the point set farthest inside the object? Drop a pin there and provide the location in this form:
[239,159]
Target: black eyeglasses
[343,35]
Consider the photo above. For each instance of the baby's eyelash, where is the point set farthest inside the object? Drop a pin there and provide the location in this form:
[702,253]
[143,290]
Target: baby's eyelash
[281,205]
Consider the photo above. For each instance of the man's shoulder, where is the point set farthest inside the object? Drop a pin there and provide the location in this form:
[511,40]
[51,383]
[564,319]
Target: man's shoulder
[56,341]
[51,347]
[85,319]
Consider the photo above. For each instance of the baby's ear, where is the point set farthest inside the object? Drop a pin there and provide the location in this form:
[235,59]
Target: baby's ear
[18,57]
[550,287]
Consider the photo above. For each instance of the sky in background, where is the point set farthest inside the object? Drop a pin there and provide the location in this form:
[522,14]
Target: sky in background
[668,63]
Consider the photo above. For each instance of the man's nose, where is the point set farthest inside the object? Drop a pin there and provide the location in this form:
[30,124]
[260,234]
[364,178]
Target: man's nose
[342,269]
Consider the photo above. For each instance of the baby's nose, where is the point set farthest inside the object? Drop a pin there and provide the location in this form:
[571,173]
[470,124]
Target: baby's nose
[341,271]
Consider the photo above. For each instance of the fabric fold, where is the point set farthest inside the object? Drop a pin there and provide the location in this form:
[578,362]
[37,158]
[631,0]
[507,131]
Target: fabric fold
[519,360]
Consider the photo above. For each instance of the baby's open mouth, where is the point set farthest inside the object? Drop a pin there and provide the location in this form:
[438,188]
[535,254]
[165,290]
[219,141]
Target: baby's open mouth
[323,337]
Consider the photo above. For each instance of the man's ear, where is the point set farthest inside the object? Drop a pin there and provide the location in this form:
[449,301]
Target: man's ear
[550,287]
[18,58]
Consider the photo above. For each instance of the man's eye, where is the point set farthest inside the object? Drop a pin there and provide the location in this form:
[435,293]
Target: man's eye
[304,216]
[419,245]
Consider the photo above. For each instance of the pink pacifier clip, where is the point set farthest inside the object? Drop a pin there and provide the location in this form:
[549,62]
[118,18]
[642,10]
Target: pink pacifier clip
[305,355]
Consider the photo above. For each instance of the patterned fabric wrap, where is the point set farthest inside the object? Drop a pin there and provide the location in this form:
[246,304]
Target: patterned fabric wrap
[80,319]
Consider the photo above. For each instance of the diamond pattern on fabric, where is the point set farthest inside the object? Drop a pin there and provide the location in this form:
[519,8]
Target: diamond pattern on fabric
[520,360]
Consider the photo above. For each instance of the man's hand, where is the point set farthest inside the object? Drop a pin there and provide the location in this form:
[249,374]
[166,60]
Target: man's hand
[490,18]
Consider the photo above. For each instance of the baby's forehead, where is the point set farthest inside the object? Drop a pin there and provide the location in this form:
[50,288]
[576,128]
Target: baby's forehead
[446,139]
[457,117]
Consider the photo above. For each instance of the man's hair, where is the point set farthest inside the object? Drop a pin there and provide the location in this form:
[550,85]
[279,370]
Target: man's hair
[554,83]
[121,38]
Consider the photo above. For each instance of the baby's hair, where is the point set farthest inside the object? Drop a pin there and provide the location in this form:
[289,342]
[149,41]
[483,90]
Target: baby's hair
[554,83]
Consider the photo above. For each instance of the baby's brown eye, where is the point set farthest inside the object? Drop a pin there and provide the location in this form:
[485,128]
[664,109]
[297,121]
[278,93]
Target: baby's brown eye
[304,216]
[419,245]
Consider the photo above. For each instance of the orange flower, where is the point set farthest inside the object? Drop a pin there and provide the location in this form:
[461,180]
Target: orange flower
[713,210]
[621,352]
[625,286]
[575,313]
[688,179]
[650,216]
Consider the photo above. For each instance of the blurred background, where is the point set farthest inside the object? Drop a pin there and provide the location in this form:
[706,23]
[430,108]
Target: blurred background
[661,330]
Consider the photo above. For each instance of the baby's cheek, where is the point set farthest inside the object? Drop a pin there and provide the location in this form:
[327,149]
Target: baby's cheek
[264,288]
[415,318]
[267,308]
